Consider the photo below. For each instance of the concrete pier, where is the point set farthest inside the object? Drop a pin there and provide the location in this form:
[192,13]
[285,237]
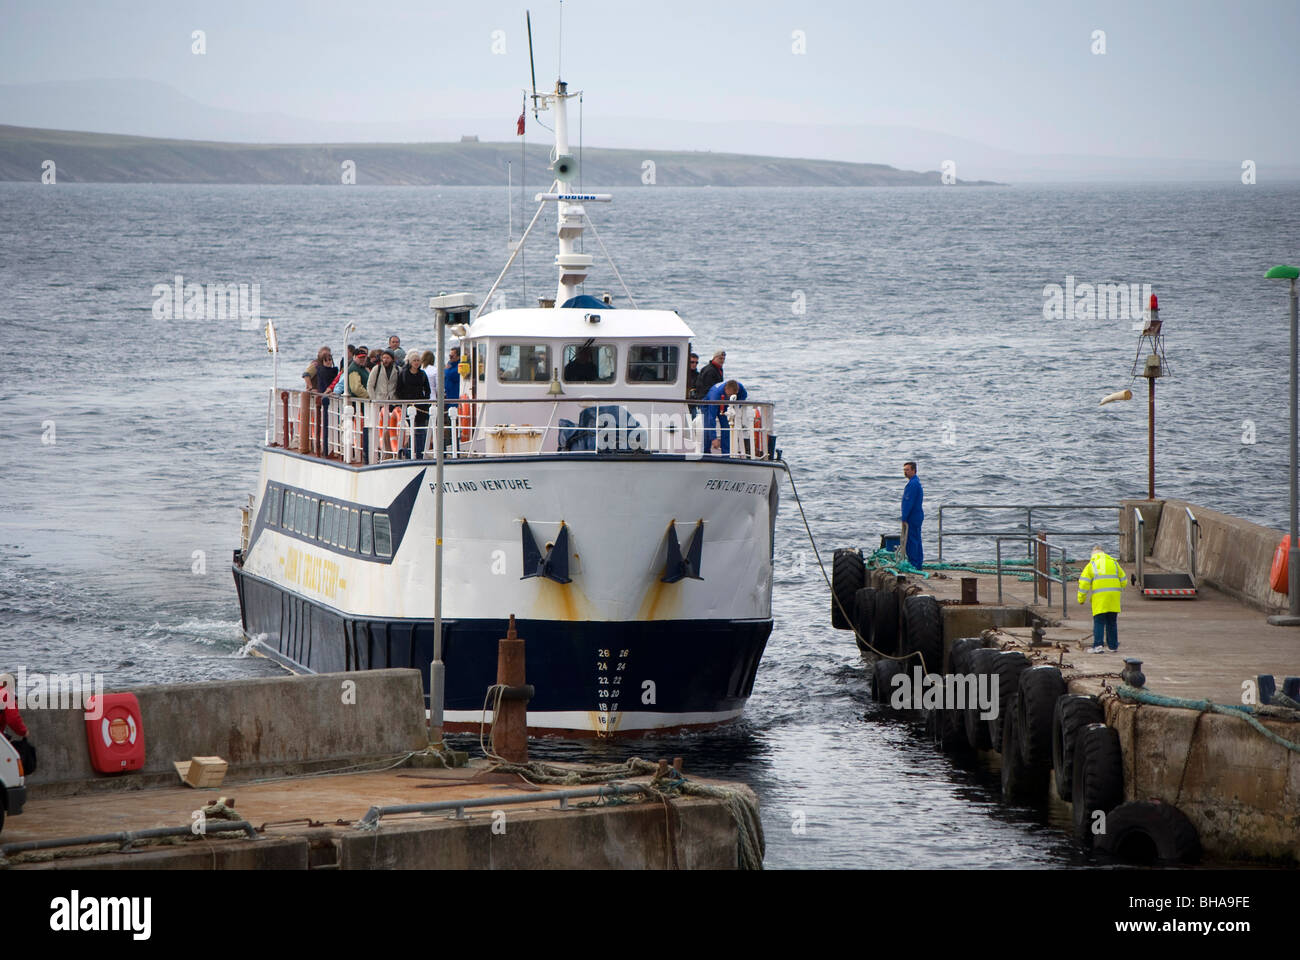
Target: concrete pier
[1240,789]
[309,757]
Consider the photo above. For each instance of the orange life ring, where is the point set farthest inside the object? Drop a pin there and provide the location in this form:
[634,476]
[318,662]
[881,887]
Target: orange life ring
[115,733]
[1278,577]
[758,434]
[466,428]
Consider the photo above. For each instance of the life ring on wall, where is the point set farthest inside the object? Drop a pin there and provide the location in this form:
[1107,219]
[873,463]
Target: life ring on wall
[115,733]
[1278,577]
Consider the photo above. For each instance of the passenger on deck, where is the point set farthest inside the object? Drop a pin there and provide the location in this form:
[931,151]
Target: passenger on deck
[693,381]
[319,378]
[711,374]
[395,345]
[717,423]
[341,381]
[382,386]
[357,374]
[450,391]
[412,384]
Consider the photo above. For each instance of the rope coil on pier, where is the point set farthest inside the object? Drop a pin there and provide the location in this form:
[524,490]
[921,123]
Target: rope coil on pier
[663,787]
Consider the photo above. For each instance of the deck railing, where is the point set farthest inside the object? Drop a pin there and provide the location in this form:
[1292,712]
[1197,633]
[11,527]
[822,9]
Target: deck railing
[1027,532]
[361,431]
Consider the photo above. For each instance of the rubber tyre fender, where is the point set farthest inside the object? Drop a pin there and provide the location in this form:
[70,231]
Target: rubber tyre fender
[884,628]
[1150,827]
[959,653]
[1071,714]
[881,674]
[1008,665]
[848,576]
[952,731]
[923,631]
[953,728]
[979,662]
[1021,782]
[1098,778]
[864,612]
[1040,688]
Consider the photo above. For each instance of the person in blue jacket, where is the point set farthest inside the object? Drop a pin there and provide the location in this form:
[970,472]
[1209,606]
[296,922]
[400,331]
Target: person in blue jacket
[913,515]
[717,427]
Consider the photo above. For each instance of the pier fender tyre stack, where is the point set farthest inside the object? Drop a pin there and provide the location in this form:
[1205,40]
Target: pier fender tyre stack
[848,576]
[1007,666]
[864,613]
[1098,778]
[884,626]
[1040,688]
[959,654]
[881,676]
[1021,781]
[1071,714]
[952,729]
[1150,832]
[978,662]
[923,631]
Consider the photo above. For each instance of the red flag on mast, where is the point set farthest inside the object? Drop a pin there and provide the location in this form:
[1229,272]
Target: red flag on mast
[519,124]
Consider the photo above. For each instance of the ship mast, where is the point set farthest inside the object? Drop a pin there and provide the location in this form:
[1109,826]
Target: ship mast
[571,264]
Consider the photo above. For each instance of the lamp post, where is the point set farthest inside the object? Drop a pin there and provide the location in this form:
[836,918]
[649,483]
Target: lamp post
[1292,617]
[447,309]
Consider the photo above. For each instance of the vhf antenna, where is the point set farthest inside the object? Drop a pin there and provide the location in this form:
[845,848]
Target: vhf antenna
[531,69]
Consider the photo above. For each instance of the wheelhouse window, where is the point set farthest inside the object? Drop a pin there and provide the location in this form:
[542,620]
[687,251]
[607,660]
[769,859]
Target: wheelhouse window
[523,363]
[365,533]
[383,536]
[590,363]
[326,522]
[273,507]
[354,521]
[311,517]
[652,364]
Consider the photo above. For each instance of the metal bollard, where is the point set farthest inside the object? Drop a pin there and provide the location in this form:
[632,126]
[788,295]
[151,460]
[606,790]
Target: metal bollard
[510,721]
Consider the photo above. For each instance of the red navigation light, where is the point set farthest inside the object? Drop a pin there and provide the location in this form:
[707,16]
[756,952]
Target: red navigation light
[1155,304]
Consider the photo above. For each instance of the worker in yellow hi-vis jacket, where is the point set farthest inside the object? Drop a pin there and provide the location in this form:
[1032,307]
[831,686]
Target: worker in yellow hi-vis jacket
[1103,578]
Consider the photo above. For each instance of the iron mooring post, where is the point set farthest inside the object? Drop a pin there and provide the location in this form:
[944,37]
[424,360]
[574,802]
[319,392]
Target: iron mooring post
[510,721]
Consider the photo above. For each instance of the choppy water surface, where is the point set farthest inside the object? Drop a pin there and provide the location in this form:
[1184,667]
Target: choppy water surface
[923,338]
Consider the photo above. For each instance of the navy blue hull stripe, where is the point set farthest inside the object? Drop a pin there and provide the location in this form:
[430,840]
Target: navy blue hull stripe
[686,666]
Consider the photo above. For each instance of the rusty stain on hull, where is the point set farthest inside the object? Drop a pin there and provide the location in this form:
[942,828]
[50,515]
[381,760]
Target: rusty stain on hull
[558,601]
[658,600]
[655,599]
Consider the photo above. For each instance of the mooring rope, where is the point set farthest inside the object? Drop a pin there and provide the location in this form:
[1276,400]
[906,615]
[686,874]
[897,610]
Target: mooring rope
[848,618]
[742,806]
[1244,711]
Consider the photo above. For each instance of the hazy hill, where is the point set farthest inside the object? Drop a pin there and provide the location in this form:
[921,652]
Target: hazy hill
[110,158]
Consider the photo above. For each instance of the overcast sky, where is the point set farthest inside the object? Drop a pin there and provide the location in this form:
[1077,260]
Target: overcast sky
[1177,79]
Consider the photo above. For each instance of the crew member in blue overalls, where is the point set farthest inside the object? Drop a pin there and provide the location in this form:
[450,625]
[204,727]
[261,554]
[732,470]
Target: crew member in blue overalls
[717,425]
[913,515]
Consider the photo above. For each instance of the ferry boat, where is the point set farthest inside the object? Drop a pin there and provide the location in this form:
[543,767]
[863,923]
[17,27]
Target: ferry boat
[630,532]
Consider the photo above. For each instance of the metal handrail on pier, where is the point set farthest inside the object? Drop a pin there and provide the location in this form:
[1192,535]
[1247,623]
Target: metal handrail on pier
[1026,533]
[1046,575]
